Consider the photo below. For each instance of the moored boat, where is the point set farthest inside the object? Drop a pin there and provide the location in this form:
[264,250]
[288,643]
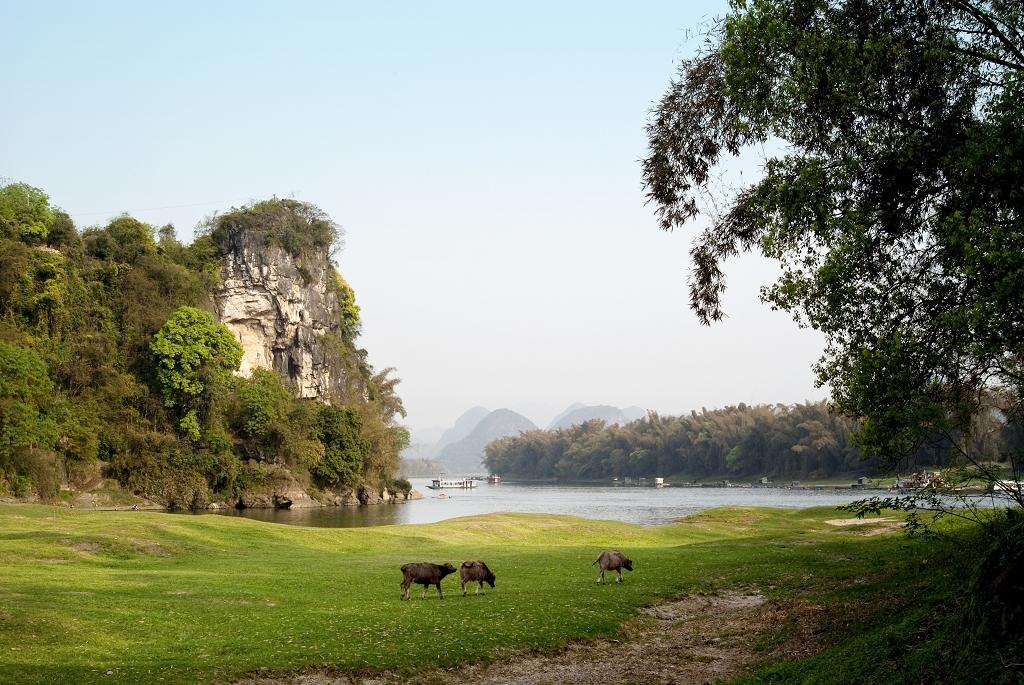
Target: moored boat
[459,483]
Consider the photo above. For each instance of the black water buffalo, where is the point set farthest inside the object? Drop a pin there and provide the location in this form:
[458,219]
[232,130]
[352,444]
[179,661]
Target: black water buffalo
[613,560]
[425,574]
[475,571]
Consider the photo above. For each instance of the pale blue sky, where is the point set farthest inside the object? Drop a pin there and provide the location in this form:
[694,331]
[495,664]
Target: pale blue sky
[483,162]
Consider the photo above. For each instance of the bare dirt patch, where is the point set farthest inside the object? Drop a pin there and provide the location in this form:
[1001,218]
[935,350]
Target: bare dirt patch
[696,639]
[87,546]
[153,549]
[858,522]
[878,526]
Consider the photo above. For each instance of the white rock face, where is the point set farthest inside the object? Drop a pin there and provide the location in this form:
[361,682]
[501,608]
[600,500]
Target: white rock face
[279,312]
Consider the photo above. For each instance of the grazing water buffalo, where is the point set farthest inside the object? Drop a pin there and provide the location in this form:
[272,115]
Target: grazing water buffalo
[613,560]
[425,574]
[477,571]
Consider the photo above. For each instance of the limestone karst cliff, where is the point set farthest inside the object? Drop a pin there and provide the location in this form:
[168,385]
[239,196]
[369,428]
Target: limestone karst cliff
[118,379]
[283,308]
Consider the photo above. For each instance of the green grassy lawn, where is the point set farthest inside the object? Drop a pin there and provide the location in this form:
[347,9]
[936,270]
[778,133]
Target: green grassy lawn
[153,597]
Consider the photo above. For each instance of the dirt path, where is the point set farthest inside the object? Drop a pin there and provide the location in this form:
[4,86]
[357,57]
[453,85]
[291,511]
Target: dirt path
[696,639]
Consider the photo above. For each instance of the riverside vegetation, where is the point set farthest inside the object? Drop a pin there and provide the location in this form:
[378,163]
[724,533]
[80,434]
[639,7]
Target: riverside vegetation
[804,441]
[113,366]
[146,597]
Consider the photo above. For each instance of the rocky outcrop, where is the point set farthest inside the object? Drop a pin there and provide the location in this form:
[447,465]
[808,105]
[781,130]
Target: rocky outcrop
[368,495]
[279,310]
[287,494]
[255,500]
[344,498]
[297,499]
[294,497]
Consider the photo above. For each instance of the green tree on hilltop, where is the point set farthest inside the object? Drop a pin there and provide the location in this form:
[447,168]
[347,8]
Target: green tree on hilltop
[293,225]
[25,213]
[130,239]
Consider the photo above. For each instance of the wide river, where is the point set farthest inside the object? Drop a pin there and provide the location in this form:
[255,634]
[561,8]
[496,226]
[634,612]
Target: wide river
[646,506]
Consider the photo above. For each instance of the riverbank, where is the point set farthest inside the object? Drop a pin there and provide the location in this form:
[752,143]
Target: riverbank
[108,495]
[138,596]
[682,481]
[643,506]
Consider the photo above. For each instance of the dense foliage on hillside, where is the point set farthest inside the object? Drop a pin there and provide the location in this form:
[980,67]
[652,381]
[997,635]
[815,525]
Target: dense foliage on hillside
[111,363]
[778,441]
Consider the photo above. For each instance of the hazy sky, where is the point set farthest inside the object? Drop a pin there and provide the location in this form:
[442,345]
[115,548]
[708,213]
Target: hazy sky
[483,161]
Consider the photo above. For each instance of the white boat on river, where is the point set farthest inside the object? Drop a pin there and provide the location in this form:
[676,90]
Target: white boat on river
[460,483]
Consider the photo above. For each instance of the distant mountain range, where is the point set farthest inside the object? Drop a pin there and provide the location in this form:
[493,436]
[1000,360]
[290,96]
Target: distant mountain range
[460,449]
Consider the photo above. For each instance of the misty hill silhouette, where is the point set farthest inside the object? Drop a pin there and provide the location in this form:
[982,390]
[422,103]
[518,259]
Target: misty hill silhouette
[565,412]
[463,457]
[633,413]
[577,413]
[464,425]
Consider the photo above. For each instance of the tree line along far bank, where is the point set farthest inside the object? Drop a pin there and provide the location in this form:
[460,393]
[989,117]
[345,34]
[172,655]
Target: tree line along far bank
[800,441]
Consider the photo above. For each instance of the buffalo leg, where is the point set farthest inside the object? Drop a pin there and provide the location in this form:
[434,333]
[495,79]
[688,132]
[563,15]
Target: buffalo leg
[618,579]
[480,587]
[439,593]
[600,577]
[405,589]
[463,587]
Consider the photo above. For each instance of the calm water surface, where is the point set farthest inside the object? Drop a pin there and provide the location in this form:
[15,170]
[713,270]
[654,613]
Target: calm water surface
[646,506]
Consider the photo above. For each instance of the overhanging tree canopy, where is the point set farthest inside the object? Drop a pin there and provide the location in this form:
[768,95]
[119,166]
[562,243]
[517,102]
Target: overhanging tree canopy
[895,208]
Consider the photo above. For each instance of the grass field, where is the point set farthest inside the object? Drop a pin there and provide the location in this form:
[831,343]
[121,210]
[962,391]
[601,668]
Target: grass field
[133,597]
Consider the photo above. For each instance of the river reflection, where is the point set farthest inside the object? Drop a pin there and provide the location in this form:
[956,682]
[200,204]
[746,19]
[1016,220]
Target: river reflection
[645,506]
